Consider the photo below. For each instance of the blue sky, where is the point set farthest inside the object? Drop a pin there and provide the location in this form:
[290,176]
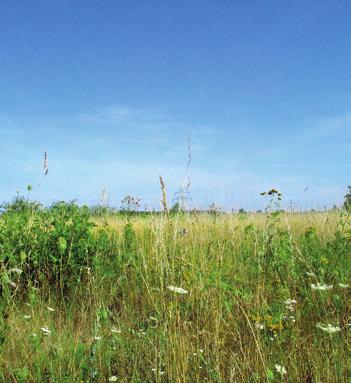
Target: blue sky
[111,89]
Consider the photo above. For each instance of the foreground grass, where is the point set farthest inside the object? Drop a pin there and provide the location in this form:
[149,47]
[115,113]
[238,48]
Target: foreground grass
[118,320]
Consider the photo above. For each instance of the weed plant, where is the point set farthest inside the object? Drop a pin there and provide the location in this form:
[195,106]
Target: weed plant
[173,297]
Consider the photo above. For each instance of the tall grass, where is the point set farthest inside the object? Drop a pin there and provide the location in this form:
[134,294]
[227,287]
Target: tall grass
[111,300]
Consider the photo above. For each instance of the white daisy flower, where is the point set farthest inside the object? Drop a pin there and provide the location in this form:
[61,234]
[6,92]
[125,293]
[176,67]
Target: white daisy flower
[45,330]
[178,290]
[320,286]
[330,329]
[280,369]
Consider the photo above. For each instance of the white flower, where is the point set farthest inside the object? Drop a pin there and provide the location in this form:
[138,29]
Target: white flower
[343,285]
[160,372]
[310,274]
[113,379]
[289,304]
[280,369]
[259,326]
[15,270]
[97,338]
[328,328]
[178,290]
[50,309]
[320,286]
[45,330]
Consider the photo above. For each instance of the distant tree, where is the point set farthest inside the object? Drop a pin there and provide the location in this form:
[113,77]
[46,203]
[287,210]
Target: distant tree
[347,202]
[176,208]
[242,211]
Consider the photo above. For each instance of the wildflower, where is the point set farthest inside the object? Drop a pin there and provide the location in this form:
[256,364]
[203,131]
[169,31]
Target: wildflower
[328,328]
[15,270]
[276,327]
[113,379]
[178,290]
[50,309]
[45,330]
[289,302]
[160,372]
[343,285]
[310,274]
[280,369]
[97,338]
[26,316]
[320,286]
[259,326]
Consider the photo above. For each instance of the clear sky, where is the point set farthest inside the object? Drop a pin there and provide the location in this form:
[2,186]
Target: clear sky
[110,89]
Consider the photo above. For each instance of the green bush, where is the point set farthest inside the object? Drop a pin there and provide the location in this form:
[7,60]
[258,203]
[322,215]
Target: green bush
[54,242]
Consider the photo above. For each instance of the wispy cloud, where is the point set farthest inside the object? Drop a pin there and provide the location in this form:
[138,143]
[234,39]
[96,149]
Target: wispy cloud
[125,149]
[325,128]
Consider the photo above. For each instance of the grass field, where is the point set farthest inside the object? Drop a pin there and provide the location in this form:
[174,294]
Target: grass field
[174,298]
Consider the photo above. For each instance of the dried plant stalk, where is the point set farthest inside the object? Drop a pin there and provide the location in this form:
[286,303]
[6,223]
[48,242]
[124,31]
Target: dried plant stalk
[164,195]
[46,166]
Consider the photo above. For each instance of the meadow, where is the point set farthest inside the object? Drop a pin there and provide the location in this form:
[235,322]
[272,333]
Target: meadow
[173,297]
